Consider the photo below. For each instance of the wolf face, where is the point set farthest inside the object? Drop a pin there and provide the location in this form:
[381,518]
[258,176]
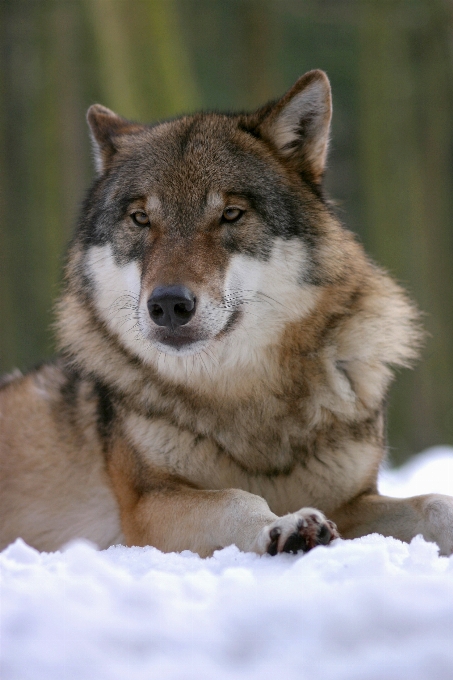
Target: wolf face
[203,233]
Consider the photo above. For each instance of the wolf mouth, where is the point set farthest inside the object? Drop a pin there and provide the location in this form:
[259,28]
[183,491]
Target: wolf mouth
[182,347]
[189,343]
[179,341]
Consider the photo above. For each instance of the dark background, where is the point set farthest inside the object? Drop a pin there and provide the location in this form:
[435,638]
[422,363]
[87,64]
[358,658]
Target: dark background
[391,162]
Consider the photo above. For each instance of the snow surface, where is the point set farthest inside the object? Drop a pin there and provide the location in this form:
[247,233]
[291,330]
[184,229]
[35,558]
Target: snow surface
[369,609]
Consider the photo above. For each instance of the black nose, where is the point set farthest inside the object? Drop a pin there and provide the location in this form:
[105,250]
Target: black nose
[171,306]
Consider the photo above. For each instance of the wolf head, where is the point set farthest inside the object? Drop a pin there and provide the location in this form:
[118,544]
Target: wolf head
[210,231]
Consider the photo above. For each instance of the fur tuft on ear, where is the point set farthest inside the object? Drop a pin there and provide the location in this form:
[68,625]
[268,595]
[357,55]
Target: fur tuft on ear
[105,128]
[298,124]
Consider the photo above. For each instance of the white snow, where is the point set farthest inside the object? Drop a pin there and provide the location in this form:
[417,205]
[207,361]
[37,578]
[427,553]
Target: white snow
[369,609]
[429,472]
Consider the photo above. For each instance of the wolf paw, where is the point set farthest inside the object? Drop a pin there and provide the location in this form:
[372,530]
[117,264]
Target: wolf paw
[302,530]
[438,521]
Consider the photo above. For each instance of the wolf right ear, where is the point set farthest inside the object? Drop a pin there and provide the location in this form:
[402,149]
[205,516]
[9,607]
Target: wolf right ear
[106,127]
[298,124]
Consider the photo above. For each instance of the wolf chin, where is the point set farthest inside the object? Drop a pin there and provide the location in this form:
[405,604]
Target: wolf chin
[226,349]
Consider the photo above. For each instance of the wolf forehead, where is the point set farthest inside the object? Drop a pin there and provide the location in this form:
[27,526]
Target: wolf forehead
[196,162]
[279,144]
[202,150]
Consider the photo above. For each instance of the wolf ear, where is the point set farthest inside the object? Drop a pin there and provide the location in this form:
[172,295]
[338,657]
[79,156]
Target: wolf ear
[298,124]
[105,128]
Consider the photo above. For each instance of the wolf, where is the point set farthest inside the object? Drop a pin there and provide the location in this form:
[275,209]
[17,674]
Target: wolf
[225,351]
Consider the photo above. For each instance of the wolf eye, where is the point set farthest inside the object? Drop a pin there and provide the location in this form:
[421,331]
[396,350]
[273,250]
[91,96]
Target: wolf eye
[231,214]
[140,218]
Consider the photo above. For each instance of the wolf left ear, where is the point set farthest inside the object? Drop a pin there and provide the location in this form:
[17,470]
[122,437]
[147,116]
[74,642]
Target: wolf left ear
[298,124]
[106,128]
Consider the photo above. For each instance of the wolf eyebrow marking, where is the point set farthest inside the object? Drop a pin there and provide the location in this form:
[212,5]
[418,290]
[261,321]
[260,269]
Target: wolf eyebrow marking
[153,203]
[214,200]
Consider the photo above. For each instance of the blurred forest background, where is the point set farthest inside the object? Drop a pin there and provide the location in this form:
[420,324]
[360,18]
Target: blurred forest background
[391,162]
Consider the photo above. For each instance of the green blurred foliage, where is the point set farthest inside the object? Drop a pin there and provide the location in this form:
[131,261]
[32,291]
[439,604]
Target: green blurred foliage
[391,170]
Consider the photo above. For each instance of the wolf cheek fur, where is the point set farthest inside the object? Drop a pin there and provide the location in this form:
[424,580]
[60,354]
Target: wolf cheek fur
[225,351]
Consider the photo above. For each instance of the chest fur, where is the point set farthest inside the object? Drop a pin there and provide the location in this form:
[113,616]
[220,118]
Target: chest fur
[266,450]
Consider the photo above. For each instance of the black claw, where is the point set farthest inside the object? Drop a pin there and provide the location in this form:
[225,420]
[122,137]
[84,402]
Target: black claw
[274,535]
[324,535]
[272,548]
[294,543]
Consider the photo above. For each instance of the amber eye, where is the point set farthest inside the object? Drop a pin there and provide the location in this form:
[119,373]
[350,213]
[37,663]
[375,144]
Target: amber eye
[232,214]
[140,218]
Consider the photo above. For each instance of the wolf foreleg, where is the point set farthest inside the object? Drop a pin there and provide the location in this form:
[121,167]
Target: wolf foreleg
[181,518]
[177,517]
